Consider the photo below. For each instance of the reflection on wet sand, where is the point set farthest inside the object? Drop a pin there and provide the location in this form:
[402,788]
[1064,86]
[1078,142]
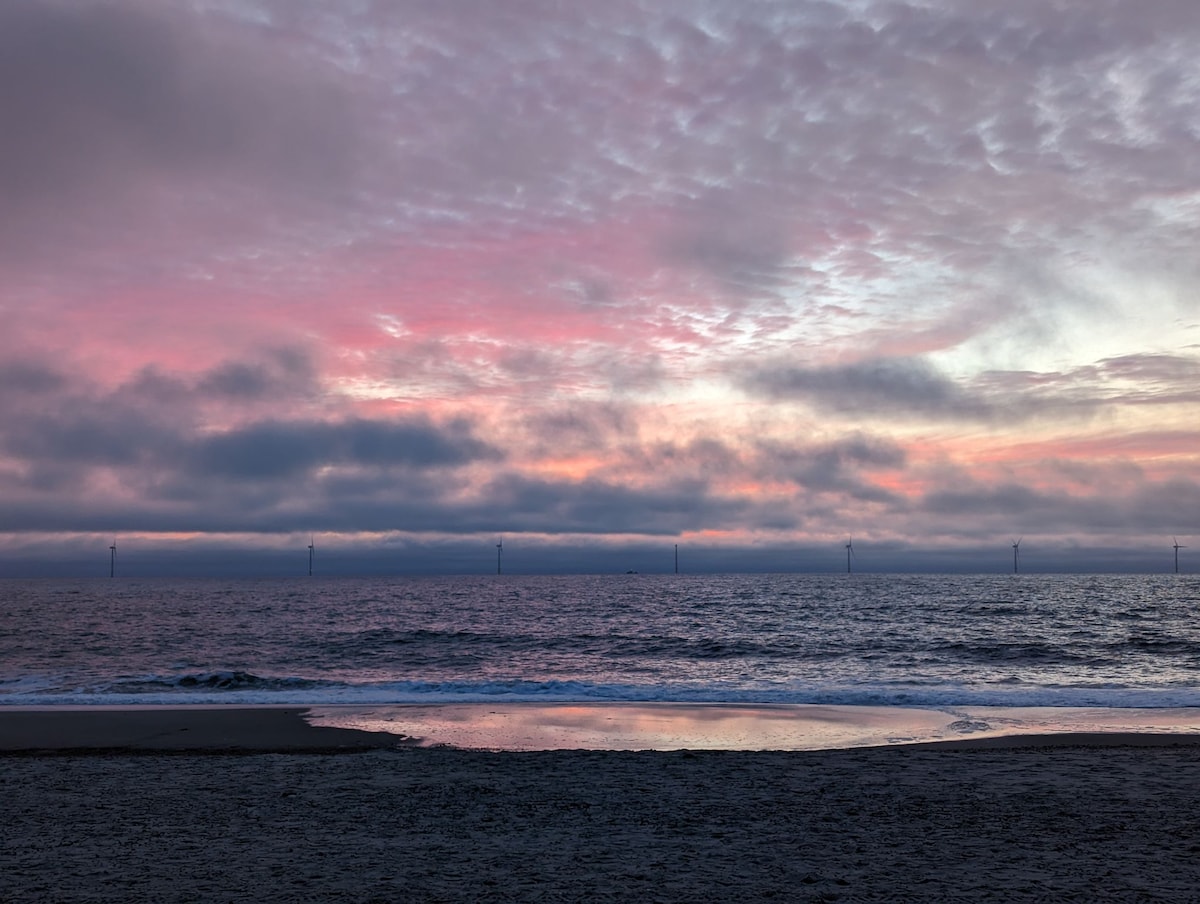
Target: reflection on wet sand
[675,726]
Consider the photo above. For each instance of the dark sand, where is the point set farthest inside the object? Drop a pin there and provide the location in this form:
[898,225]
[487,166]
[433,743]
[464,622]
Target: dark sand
[212,817]
[191,728]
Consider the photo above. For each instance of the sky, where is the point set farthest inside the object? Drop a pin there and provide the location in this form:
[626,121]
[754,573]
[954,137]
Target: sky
[406,279]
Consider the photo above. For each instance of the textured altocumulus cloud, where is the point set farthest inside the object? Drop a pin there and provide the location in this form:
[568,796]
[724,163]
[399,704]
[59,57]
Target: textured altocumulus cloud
[766,273]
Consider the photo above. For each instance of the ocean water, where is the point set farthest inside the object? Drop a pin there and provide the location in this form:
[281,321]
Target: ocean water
[881,640]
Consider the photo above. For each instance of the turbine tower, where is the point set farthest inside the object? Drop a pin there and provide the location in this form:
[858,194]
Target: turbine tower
[112,559]
[1177,548]
[849,552]
[499,551]
[311,550]
[1016,550]
[677,559]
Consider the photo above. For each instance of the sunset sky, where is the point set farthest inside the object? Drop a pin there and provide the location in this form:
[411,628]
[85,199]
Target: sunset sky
[599,278]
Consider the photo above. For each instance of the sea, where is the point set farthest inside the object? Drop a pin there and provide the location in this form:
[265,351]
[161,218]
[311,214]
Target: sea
[1113,641]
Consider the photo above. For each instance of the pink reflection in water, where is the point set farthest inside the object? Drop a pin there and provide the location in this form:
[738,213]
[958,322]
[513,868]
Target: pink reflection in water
[676,726]
[524,726]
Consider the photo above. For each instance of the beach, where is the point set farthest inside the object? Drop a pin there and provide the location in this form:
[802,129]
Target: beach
[252,805]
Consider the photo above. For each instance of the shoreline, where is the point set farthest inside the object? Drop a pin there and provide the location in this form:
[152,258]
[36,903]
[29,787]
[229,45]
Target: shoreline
[593,727]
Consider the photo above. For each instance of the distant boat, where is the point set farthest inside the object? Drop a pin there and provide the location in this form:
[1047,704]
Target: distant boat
[631,571]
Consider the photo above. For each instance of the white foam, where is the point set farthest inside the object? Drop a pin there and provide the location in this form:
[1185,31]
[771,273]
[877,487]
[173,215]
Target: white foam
[218,688]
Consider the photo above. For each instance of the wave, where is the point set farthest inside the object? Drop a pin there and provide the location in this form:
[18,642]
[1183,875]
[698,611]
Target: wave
[1011,653]
[219,681]
[245,688]
[441,645]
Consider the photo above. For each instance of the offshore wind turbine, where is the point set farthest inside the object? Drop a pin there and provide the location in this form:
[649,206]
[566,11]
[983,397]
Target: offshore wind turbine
[849,552]
[1177,548]
[311,550]
[112,559]
[1016,549]
[499,552]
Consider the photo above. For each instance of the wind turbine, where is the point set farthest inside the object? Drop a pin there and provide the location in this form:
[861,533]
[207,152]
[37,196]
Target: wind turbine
[677,559]
[112,559]
[311,550]
[1016,549]
[1177,548]
[849,552]
[499,550]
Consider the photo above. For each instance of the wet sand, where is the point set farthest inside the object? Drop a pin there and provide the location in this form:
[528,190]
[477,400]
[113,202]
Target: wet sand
[259,806]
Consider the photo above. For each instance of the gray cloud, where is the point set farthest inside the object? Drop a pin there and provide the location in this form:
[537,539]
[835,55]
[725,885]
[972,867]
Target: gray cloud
[281,450]
[120,116]
[1155,377]
[908,387]
[1140,506]
[734,236]
[843,466]
[584,427]
[147,437]
[595,506]
[29,378]
[285,373]
[898,386]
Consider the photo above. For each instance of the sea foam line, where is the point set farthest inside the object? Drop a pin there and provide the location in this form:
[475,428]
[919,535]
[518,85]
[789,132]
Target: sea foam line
[244,688]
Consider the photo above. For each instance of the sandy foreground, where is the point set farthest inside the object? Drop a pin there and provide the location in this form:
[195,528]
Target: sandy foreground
[258,805]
